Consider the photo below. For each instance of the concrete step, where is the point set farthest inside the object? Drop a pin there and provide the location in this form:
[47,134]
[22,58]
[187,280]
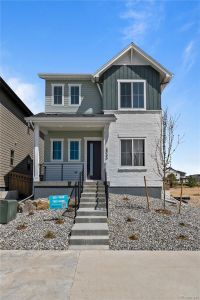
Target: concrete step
[89,240]
[89,190]
[90,229]
[88,247]
[93,200]
[88,194]
[87,204]
[90,212]
[91,219]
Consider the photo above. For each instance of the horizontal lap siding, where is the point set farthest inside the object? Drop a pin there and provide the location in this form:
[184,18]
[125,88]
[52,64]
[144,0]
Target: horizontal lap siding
[14,135]
[70,172]
[110,86]
[91,102]
[67,135]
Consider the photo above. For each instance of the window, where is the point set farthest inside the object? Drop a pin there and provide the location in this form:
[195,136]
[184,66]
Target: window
[132,94]
[12,156]
[74,150]
[58,94]
[57,149]
[74,94]
[133,152]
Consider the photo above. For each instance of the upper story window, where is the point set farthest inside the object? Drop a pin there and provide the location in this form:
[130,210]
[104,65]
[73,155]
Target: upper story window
[133,152]
[132,94]
[57,149]
[58,94]
[75,94]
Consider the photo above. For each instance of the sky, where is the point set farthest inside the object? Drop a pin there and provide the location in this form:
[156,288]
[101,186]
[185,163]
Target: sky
[79,36]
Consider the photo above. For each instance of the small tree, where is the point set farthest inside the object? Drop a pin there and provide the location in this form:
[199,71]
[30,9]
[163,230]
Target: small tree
[165,146]
[171,178]
[191,181]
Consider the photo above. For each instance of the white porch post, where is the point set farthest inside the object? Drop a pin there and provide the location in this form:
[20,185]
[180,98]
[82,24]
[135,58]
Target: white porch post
[105,146]
[36,175]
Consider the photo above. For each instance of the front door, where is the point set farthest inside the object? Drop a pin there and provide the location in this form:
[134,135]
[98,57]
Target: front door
[94,160]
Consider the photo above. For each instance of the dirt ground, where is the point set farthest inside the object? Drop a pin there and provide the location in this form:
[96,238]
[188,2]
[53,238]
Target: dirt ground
[193,193]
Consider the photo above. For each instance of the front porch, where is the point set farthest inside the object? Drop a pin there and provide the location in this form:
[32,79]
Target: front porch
[73,145]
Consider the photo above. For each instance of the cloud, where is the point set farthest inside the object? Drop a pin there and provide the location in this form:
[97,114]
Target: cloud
[28,92]
[189,55]
[142,17]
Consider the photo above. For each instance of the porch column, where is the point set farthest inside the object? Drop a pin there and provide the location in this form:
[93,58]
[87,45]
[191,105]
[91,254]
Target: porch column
[36,175]
[105,145]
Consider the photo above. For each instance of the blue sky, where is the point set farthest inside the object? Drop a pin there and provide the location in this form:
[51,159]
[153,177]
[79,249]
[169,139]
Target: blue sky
[79,36]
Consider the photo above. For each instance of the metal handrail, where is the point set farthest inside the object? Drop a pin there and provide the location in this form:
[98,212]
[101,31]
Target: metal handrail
[106,192]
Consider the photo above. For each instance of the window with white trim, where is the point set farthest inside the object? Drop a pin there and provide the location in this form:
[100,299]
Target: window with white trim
[132,94]
[58,94]
[74,149]
[75,94]
[132,152]
[57,150]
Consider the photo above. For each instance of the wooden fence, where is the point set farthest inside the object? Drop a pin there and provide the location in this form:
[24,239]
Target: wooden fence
[20,182]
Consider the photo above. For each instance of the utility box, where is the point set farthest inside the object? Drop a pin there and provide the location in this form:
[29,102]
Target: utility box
[8,210]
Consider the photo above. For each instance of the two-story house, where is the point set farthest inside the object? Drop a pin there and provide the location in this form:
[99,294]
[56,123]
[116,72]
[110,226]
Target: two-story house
[16,144]
[106,121]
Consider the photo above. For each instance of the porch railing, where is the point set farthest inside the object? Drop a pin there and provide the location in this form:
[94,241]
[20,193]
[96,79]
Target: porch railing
[61,171]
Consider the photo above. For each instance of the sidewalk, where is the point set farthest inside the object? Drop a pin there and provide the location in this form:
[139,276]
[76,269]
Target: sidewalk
[95,275]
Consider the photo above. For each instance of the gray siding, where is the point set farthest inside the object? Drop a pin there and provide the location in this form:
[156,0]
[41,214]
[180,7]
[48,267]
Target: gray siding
[91,102]
[56,172]
[67,135]
[14,134]
[110,87]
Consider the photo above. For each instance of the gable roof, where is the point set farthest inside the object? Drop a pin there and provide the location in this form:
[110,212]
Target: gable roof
[14,97]
[165,74]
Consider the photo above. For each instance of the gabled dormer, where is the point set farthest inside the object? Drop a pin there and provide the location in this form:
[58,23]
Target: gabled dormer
[132,81]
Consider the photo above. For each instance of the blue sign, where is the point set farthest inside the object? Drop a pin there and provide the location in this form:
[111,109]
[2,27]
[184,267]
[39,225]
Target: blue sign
[58,201]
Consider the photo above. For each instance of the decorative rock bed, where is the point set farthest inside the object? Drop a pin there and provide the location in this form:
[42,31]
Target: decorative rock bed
[132,226]
[39,230]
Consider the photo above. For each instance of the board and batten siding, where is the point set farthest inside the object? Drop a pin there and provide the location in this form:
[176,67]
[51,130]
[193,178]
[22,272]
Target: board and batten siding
[91,100]
[14,135]
[115,72]
[133,125]
[65,135]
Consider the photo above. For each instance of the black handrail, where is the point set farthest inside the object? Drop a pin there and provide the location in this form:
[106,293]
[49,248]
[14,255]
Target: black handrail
[106,192]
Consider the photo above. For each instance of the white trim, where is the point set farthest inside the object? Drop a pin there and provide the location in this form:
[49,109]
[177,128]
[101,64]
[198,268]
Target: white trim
[70,120]
[155,64]
[52,92]
[62,143]
[119,81]
[69,93]
[74,160]
[121,167]
[86,139]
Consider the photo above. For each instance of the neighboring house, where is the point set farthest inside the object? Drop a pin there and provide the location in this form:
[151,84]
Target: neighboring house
[178,174]
[16,137]
[196,176]
[106,121]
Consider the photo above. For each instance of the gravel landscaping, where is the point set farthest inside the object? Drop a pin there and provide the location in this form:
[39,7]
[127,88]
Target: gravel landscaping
[133,227]
[29,231]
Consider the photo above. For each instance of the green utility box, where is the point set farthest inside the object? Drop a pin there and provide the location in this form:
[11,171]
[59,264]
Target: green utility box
[8,210]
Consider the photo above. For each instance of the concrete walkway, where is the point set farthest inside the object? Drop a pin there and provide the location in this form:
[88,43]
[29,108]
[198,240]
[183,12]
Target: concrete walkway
[95,275]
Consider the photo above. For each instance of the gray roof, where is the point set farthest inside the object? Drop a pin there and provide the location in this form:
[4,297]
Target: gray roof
[70,115]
